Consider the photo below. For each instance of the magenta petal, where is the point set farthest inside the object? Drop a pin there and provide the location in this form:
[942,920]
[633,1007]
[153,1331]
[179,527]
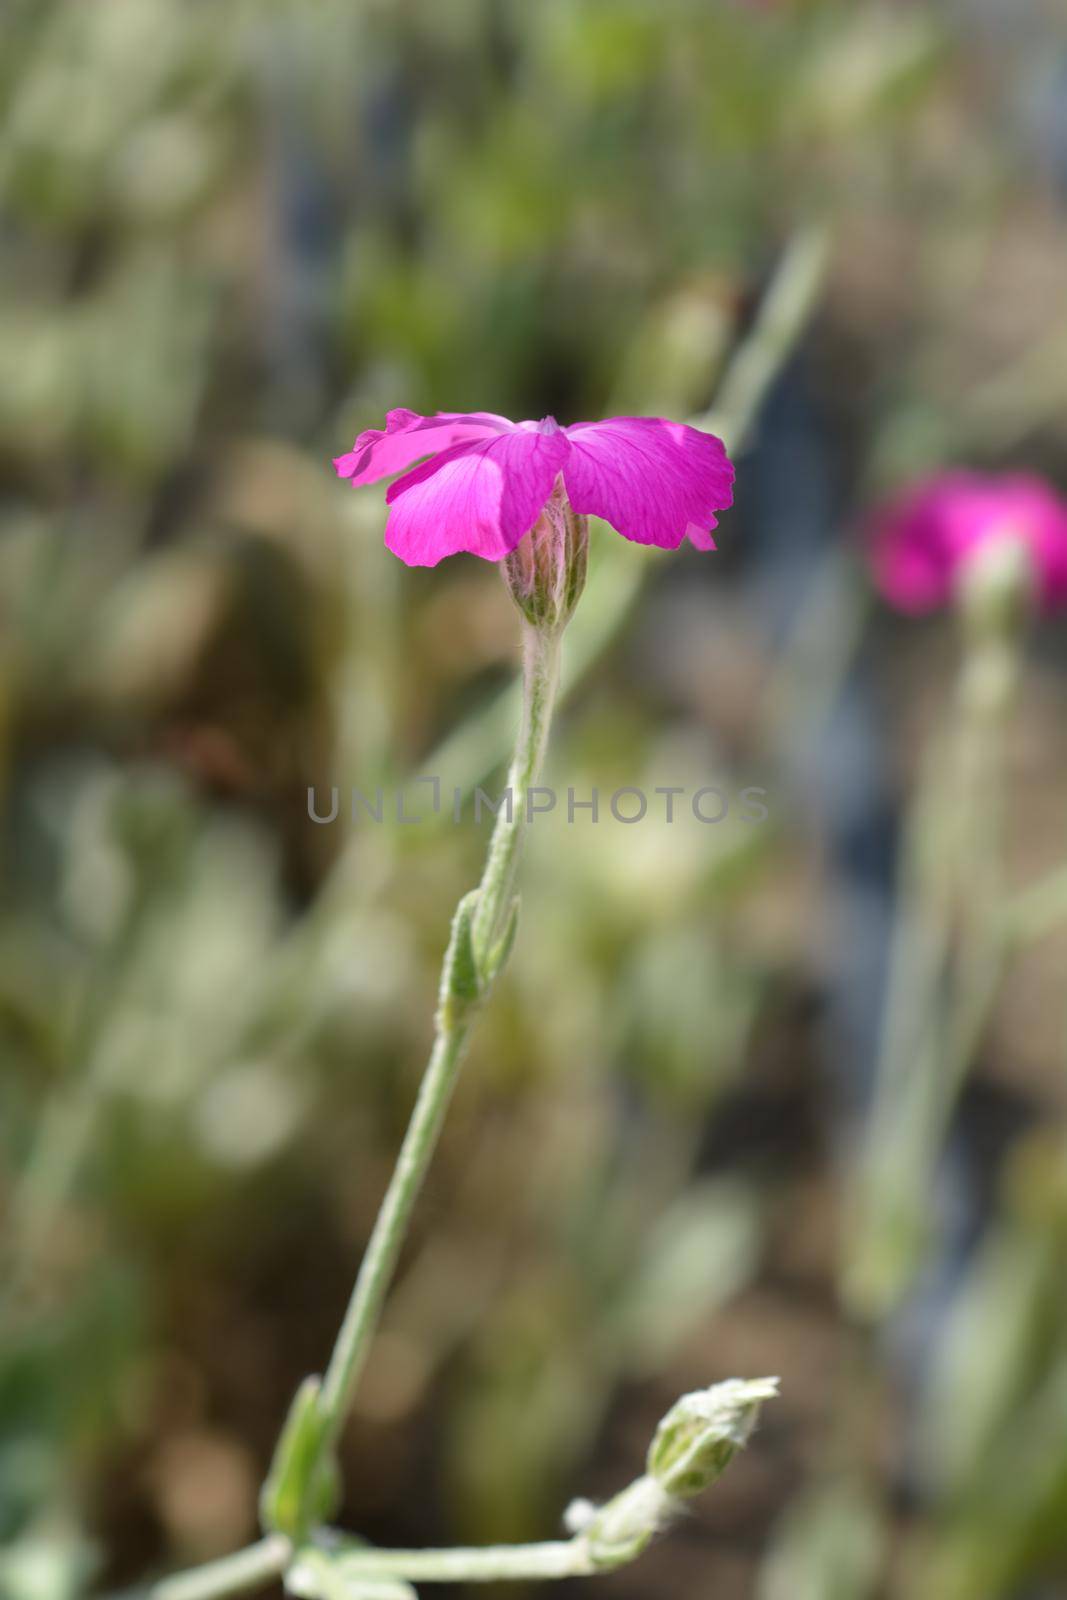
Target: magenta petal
[700,538]
[910,553]
[407,437]
[479,497]
[1042,515]
[651,479]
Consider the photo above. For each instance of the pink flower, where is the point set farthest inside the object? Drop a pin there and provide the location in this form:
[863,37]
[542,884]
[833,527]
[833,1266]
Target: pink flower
[923,541]
[489,479]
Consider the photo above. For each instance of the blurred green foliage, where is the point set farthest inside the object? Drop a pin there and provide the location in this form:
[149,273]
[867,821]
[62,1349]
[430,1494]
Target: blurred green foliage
[233,232]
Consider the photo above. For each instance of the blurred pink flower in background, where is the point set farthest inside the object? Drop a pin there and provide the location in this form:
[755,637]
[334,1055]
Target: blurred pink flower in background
[923,540]
[488,480]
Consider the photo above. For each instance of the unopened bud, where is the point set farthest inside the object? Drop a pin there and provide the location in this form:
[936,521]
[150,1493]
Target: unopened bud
[701,1434]
[693,1445]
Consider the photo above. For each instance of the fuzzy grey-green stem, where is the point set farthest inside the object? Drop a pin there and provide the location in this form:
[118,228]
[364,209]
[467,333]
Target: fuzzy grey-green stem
[493,906]
[781,317]
[1037,910]
[563,1558]
[379,1261]
[236,1574]
[541,651]
[693,1445]
[947,961]
[691,1448]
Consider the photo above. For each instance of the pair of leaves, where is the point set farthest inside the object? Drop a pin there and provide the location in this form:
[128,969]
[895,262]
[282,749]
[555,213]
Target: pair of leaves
[468,975]
[301,1491]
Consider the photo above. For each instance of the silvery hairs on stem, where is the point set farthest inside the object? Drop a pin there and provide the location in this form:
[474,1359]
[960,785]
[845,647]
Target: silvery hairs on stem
[692,1447]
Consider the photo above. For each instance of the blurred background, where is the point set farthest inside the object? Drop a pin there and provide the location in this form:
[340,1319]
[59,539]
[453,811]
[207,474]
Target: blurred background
[232,234]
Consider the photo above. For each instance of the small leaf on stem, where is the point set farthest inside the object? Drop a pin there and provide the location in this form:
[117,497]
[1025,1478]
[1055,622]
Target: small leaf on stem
[302,1486]
[460,983]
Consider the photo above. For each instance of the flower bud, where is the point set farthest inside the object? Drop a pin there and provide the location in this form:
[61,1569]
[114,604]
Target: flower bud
[546,571]
[693,1445]
[701,1434]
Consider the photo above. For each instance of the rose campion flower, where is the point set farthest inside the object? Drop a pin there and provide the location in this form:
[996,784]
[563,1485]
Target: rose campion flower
[923,541]
[488,480]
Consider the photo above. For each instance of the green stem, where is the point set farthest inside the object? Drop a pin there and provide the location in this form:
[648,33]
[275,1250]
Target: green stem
[476,952]
[946,966]
[493,906]
[564,1558]
[782,317]
[236,1574]
[1037,910]
[541,649]
[379,1261]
